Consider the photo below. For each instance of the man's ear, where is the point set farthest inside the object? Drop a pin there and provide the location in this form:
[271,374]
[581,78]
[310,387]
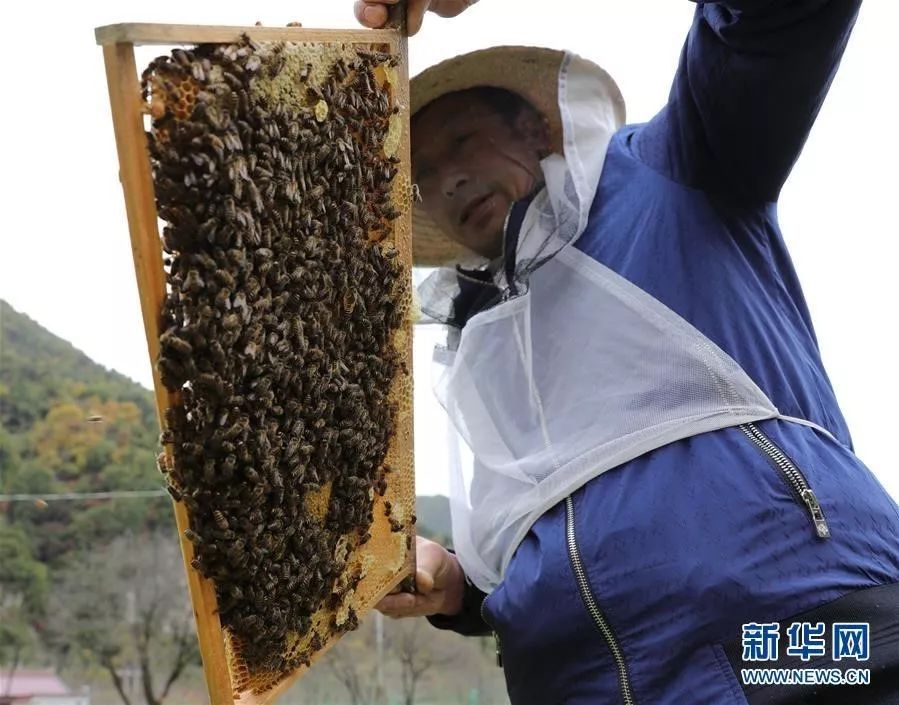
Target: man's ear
[534,128]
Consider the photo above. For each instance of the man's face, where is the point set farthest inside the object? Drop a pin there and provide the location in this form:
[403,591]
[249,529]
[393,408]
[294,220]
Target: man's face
[471,164]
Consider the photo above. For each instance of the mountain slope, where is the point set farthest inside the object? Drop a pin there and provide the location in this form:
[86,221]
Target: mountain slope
[38,369]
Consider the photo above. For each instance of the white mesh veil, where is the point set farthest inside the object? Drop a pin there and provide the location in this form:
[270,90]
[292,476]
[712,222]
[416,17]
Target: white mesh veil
[577,373]
[580,374]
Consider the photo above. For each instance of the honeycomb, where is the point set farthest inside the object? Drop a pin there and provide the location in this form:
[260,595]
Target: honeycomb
[286,336]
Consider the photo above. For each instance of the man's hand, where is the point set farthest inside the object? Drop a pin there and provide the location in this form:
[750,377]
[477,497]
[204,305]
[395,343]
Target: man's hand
[373,14]
[439,581]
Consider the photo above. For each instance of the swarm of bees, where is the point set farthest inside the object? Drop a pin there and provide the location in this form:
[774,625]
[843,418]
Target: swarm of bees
[281,309]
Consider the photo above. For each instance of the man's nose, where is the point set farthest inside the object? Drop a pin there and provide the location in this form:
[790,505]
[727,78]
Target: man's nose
[452,182]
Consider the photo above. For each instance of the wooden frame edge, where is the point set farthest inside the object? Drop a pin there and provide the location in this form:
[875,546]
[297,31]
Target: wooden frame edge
[140,206]
[136,33]
[118,43]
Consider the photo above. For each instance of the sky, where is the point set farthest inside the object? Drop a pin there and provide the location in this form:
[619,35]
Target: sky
[65,258]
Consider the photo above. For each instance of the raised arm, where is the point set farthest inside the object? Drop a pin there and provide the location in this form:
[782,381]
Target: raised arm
[752,77]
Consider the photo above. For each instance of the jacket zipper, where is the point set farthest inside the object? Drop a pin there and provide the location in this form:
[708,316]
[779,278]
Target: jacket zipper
[792,474]
[574,554]
[499,646]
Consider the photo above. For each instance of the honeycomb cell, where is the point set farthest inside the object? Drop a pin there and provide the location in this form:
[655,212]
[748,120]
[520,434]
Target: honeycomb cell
[286,335]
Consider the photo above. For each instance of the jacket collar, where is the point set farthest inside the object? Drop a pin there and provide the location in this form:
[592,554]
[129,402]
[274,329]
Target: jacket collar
[478,288]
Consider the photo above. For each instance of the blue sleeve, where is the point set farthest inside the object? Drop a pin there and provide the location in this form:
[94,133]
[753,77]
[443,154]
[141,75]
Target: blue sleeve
[752,77]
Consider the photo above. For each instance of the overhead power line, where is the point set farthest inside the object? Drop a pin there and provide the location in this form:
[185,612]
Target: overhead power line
[62,496]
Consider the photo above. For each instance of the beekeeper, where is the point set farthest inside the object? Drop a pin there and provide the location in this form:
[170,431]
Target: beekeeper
[653,483]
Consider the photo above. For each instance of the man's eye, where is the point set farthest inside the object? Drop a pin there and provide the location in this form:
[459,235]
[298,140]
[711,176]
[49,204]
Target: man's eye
[461,139]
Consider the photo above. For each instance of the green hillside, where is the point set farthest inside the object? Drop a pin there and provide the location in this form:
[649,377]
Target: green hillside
[68,424]
[38,369]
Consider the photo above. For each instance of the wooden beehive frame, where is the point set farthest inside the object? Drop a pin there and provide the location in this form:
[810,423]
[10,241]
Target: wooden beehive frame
[118,42]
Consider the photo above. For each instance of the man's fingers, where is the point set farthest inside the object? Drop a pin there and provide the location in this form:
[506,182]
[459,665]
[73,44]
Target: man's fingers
[433,565]
[435,582]
[415,15]
[450,8]
[408,605]
[373,13]
[424,581]
[370,14]
[396,602]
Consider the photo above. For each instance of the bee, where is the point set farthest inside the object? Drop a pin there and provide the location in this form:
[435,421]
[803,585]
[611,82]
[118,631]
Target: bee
[238,428]
[251,623]
[231,322]
[189,502]
[226,470]
[255,197]
[193,282]
[253,63]
[211,384]
[276,65]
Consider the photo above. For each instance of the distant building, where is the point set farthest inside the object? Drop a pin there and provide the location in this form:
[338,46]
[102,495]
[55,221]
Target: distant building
[34,687]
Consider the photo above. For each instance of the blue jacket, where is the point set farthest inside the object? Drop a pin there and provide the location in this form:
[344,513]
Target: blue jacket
[677,549]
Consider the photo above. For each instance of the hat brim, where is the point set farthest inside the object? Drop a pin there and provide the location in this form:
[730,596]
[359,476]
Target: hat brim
[532,73]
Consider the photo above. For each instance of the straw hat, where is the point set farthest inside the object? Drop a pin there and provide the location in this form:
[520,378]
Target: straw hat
[532,73]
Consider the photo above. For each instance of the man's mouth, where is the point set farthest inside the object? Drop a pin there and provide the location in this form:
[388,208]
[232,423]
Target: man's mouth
[477,208]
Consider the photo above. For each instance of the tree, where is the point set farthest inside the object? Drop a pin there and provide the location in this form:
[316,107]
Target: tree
[23,587]
[89,446]
[127,605]
[417,653]
[351,662]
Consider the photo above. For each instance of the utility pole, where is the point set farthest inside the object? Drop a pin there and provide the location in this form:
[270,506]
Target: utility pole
[380,695]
